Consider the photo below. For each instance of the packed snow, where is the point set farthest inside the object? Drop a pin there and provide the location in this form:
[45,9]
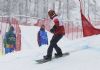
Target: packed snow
[84,53]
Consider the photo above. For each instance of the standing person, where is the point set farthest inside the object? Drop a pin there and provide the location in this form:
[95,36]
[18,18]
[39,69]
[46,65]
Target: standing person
[42,36]
[58,31]
[10,40]
[1,48]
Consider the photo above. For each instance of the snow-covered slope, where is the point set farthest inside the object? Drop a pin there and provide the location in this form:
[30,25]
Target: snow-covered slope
[85,53]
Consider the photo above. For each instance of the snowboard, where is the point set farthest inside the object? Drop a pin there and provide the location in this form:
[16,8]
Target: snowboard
[41,61]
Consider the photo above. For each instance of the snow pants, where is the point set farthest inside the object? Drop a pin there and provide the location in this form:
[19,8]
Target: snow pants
[53,44]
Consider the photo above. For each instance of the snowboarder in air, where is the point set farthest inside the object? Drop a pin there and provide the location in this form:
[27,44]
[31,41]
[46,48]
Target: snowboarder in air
[42,36]
[58,32]
[10,40]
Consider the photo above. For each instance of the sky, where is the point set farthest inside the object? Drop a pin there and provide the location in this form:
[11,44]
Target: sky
[84,53]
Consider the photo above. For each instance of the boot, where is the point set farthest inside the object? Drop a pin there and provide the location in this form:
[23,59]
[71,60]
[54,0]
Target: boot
[57,55]
[48,57]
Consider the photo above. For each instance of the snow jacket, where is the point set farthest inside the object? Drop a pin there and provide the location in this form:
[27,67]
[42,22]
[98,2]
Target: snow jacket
[58,28]
[42,37]
[10,38]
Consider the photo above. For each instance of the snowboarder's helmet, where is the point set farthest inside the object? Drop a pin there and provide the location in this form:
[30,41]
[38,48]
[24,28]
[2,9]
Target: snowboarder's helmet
[51,13]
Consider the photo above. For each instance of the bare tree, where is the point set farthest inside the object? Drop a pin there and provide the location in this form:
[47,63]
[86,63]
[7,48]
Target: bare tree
[35,8]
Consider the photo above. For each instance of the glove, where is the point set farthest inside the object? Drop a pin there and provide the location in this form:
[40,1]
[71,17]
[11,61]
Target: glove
[53,29]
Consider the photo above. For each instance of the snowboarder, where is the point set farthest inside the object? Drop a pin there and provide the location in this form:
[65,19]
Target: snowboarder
[42,36]
[58,31]
[10,40]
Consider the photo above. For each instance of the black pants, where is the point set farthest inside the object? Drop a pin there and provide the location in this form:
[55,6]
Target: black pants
[53,44]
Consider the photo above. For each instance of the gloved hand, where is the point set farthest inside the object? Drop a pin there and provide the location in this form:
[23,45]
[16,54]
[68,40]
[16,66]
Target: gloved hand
[53,29]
